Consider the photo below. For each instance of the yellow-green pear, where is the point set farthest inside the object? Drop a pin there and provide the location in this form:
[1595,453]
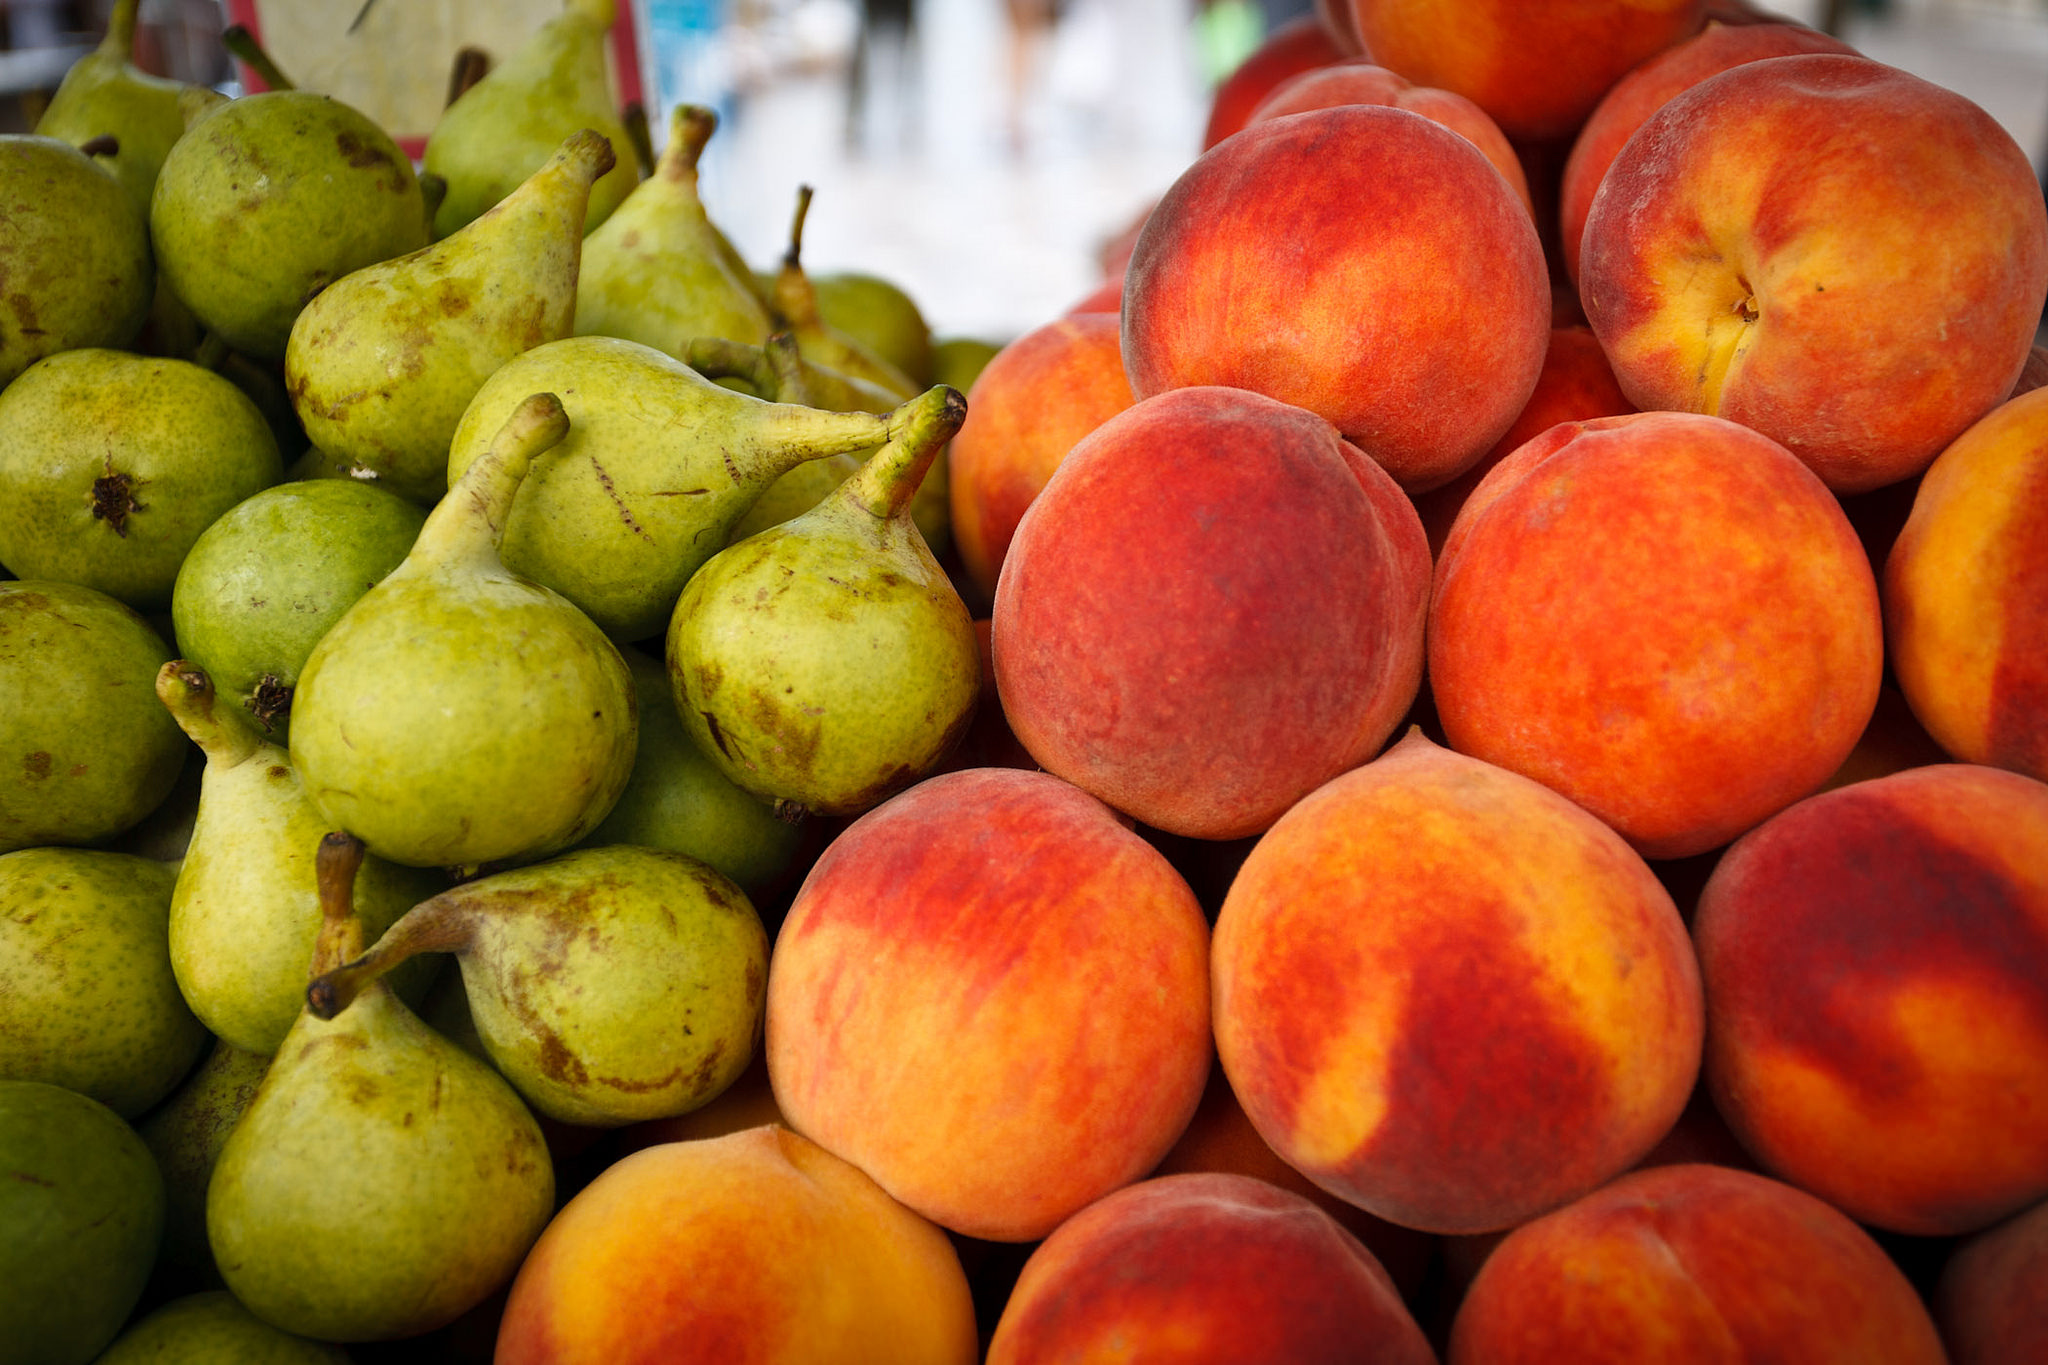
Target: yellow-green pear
[104,94]
[212,1328]
[76,254]
[382,363]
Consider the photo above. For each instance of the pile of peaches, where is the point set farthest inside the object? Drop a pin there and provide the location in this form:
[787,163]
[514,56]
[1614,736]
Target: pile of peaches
[1510,821]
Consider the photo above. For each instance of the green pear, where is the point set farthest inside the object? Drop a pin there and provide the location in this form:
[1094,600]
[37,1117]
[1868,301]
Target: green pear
[458,713]
[795,303]
[881,316]
[268,199]
[609,985]
[91,1003]
[828,662]
[658,465]
[382,363]
[77,259]
[82,1208]
[246,910]
[104,94]
[383,1182]
[213,1328]
[654,273]
[499,131]
[185,1134]
[958,361]
[678,800]
[112,465]
[86,750]
[263,583]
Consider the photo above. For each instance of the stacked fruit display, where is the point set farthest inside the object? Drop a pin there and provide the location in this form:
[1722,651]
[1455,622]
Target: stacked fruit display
[1494,809]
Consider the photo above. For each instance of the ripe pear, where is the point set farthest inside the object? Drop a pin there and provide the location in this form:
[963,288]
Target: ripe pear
[498,131]
[82,1207]
[795,303]
[246,909]
[609,985]
[90,1002]
[79,271]
[458,713]
[382,363]
[828,662]
[658,465]
[270,577]
[185,1134]
[86,751]
[654,271]
[880,315]
[383,1182]
[105,94]
[213,1328]
[268,199]
[112,465]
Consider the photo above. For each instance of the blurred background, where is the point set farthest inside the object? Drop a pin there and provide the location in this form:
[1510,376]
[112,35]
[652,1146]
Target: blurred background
[980,153]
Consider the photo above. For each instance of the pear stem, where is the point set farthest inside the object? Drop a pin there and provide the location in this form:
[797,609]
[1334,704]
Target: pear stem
[791,382]
[792,258]
[222,734]
[239,40]
[211,353]
[334,871]
[587,154]
[469,523]
[471,65]
[721,358]
[917,432]
[690,127]
[633,118]
[120,39]
[437,925]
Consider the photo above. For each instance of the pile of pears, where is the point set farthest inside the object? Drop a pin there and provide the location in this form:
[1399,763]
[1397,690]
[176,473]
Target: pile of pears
[470,561]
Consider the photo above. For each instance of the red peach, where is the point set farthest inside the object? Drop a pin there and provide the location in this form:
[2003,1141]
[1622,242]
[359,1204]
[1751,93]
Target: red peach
[1663,616]
[1331,260]
[1205,1270]
[1301,44]
[1876,969]
[1992,1299]
[1215,605]
[993,998]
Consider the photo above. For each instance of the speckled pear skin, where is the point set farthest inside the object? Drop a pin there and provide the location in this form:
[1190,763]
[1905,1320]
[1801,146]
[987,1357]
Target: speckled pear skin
[828,662]
[104,94]
[268,199]
[90,1002]
[212,1328]
[86,751]
[654,271]
[246,910]
[185,1134]
[383,1181]
[461,714]
[509,122]
[658,466]
[609,985]
[78,270]
[382,363]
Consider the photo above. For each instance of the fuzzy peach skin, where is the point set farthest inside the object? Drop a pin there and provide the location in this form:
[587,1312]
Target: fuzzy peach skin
[1451,997]
[1646,89]
[1205,1269]
[992,997]
[1843,256]
[1692,1265]
[1039,395]
[1361,262]
[1992,1299]
[1665,617]
[1360,82]
[758,1248]
[1966,592]
[1215,605]
[1876,969]
[1298,45]
[1575,384]
[1538,69]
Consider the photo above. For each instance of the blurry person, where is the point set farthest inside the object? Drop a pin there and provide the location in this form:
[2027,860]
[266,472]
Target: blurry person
[887,41]
[1031,27]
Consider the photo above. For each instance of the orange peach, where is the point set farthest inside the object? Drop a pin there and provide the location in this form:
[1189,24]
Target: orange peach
[1692,1265]
[753,1248]
[1992,1298]
[1301,44]
[1332,260]
[1215,605]
[1876,971]
[992,997]
[1845,257]
[1646,89]
[1451,997]
[1360,82]
[1663,616]
[1966,592]
[1537,69]
[1030,404]
[1205,1269]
